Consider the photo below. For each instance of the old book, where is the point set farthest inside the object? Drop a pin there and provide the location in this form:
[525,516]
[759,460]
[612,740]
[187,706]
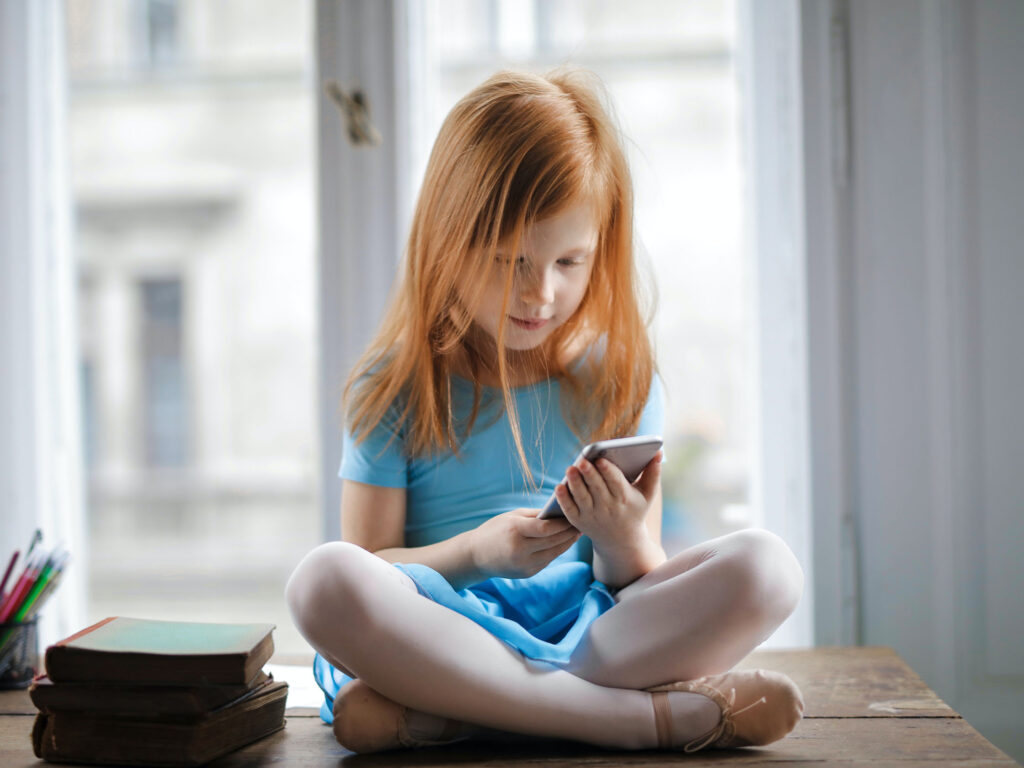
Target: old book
[80,737]
[126,650]
[139,701]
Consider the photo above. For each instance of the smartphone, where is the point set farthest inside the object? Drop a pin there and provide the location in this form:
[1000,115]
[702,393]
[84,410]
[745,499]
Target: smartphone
[630,454]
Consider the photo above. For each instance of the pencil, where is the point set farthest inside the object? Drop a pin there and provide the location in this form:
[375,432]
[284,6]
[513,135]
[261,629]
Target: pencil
[36,538]
[20,589]
[7,573]
[37,586]
[56,572]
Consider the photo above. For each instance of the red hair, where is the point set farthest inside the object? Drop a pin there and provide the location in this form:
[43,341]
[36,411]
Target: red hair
[516,150]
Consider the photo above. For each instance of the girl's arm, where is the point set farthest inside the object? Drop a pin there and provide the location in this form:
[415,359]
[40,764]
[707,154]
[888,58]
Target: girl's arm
[373,517]
[622,520]
[515,544]
[619,567]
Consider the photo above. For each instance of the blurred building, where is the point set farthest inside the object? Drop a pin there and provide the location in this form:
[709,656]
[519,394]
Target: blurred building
[192,144]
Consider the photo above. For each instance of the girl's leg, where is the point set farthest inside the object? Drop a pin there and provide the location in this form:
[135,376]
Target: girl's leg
[363,614]
[697,614]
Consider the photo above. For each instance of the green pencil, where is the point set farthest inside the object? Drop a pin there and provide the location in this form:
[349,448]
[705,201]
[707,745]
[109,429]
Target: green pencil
[44,584]
[37,588]
[58,573]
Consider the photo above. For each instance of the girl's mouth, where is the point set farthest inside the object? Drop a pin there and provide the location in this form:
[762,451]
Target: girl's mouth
[530,325]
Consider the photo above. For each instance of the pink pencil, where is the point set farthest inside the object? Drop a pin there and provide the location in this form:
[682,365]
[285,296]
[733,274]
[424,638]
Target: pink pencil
[15,589]
[10,595]
[21,589]
[7,574]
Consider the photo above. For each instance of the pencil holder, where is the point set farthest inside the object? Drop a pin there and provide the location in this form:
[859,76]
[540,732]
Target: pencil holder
[18,653]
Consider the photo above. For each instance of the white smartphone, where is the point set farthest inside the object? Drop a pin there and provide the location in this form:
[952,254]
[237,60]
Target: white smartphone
[630,454]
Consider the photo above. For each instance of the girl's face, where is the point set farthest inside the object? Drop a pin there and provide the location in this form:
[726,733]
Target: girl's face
[552,270]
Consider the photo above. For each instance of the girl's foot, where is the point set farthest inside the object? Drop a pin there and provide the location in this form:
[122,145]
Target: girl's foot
[366,721]
[757,707]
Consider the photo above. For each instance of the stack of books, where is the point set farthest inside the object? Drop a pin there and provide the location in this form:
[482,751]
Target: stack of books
[156,693]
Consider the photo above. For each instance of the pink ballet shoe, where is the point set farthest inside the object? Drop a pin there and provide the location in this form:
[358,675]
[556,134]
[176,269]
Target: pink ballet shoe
[761,707]
[365,721]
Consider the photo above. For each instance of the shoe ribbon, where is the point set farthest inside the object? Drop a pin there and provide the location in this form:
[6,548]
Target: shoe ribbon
[724,725]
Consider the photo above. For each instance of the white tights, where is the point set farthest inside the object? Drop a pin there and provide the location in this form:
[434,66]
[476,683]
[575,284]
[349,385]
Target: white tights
[697,614]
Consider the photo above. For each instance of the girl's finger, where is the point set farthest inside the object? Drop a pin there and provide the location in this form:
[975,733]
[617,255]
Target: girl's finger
[535,528]
[568,505]
[597,482]
[578,489]
[539,545]
[550,553]
[618,486]
[648,482]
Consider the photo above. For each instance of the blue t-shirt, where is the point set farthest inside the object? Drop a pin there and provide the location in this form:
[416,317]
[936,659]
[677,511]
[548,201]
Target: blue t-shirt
[544,616]
[448,494]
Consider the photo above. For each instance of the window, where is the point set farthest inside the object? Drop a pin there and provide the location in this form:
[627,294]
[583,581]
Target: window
[192,141]
[164,410]
[669,67]
[156,37]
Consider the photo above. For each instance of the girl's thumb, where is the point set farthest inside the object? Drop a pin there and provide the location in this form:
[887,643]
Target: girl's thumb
[648,482]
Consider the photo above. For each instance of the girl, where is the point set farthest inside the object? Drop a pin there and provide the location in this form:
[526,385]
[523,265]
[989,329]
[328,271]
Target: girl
[515,337]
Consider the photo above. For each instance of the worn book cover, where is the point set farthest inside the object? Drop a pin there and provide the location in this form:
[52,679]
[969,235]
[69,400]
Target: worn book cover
[126,650]
[139,701]
[81,737]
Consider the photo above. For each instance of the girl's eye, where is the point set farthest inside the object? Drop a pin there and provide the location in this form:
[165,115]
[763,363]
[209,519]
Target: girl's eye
[573,262]
[520,260]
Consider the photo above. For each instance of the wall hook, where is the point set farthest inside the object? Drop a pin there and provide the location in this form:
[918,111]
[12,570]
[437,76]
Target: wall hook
[356,110]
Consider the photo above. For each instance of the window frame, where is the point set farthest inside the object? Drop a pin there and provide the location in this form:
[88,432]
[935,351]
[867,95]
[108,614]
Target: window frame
[364,197]
[41,441]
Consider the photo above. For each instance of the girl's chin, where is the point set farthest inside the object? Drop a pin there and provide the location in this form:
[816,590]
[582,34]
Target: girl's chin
[521,340]
[521,346]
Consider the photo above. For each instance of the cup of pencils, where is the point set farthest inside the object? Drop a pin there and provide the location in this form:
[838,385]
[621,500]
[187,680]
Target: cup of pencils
[19,611]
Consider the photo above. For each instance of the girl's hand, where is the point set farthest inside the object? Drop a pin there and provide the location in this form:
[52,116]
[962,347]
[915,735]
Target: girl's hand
[516,544]
[599,502]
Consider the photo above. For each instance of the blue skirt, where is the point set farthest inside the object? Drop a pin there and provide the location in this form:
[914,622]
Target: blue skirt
[543,617]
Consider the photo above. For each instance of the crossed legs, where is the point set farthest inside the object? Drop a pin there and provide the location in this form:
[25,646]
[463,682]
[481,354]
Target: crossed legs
[699,613]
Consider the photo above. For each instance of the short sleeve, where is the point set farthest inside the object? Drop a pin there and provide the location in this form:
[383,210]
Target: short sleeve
[652,420]
[379,459]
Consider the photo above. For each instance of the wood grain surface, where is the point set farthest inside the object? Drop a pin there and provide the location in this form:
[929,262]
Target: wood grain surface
[864,706]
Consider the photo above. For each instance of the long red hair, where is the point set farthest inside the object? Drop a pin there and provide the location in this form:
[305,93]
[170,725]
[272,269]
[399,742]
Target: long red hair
[517,149]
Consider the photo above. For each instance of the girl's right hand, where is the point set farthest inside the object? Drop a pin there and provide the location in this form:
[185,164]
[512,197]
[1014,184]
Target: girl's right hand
[517,544]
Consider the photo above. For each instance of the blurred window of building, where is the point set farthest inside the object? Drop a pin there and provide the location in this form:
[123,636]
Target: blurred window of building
[670,69]
[192,144]
[164,410]
[156,33]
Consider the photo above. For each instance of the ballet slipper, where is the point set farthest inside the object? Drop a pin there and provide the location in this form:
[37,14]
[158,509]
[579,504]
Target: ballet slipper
[365,721]
[761,707]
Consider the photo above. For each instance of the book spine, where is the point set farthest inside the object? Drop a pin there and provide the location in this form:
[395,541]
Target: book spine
[77,665]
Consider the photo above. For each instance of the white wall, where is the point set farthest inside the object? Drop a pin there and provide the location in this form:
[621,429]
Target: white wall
[916,204]
[40,465]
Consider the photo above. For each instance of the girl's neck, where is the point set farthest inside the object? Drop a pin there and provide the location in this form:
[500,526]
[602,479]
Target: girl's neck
[524,368]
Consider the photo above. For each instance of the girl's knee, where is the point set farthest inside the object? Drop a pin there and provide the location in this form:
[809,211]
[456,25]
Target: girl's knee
[769,577]
[325,584]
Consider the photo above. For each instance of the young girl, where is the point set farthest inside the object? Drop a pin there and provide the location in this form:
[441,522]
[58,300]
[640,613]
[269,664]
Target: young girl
[515,337]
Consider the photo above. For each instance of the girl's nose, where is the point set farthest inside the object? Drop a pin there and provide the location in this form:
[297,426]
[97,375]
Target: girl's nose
[538,288]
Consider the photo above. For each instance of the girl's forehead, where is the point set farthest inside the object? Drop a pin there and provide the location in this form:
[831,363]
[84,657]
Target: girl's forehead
[575,226]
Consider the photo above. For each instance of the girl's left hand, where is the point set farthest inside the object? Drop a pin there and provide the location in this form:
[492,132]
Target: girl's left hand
[600,504]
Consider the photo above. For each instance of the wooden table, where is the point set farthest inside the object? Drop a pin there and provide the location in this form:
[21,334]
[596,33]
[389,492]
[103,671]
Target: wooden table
[863,706]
